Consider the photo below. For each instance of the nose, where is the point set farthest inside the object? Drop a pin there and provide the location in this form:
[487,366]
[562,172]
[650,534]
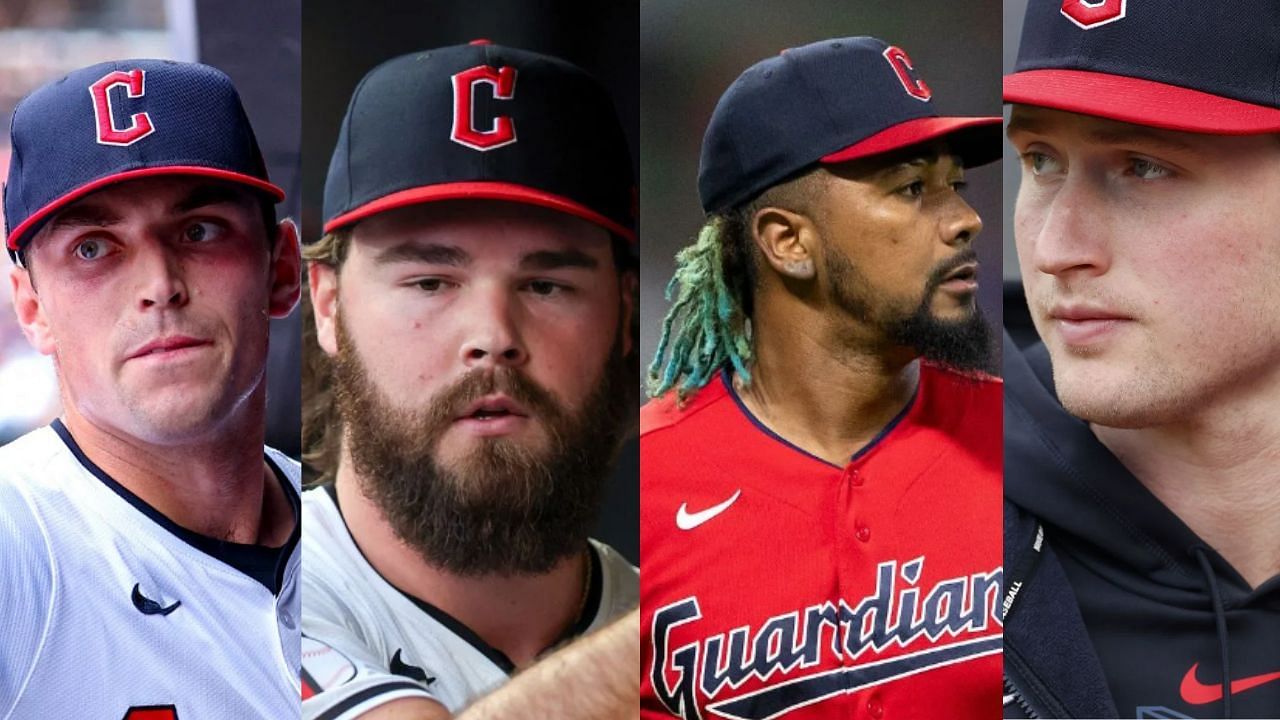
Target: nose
[492,331]
[1067,229]
[161,277]
[961,226]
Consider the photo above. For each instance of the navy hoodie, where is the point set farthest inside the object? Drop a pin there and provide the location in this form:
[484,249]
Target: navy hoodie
[1115,608]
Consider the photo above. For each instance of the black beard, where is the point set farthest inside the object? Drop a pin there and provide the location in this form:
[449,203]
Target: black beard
[505,508]
[963,344]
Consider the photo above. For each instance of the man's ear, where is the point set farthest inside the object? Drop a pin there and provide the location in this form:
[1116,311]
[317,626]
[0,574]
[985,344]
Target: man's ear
[322,280]
[30,311]
[785,238]
[286,271]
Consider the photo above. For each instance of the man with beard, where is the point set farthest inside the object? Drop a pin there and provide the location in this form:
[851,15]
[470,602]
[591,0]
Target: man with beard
[821,464]
[474,292]
[1142,491]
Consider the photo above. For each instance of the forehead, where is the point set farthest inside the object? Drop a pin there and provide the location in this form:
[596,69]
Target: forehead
[1031,120]
[490,228]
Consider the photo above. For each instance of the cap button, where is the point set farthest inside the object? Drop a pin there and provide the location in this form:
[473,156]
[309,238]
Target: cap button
[481,41]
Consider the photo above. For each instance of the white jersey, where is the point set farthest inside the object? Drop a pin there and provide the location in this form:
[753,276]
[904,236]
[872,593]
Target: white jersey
[366,643]
[112,611]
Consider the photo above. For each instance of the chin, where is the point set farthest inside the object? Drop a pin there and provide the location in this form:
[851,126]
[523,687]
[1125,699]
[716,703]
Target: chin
[1112,397]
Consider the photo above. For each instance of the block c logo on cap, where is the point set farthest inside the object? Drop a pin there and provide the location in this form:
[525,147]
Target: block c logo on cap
[906,72]
[135,84]
[503,130]
[1089,14]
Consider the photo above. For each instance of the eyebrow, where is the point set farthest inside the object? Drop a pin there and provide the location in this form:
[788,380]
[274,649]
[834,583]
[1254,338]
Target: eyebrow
[434,254]
[85,215]
[211,194]
[554,259]
[1107,135]
[91,214]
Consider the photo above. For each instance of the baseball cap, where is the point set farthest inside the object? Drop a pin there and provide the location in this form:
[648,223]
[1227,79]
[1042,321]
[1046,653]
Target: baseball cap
[481,121]
[1188,65]
[122,120]
[827,102]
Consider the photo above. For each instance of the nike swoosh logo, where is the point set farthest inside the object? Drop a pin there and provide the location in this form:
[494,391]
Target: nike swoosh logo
[686,520]
[147,606]
[413,672]
[1195,692]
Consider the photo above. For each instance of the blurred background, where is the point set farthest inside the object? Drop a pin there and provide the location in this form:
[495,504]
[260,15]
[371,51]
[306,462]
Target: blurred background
[256,43]
[1017,319]
[691,51]
[344,40]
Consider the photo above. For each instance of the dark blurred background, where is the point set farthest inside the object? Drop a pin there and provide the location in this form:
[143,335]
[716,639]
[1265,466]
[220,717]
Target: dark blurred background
[691,51]
[344,40]
[1017,319]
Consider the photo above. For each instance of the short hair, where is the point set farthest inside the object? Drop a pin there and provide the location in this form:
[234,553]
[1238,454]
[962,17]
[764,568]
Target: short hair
[715,283]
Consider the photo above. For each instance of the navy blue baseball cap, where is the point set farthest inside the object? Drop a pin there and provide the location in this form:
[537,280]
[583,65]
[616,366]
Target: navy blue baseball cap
[122,120]
[481,121]
[827,102]
[1188,65]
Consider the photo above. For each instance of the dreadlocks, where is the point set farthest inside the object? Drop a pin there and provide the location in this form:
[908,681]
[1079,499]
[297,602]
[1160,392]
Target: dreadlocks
[709,325]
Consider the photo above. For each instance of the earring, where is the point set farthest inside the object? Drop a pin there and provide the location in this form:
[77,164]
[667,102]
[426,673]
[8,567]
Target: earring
[799,269]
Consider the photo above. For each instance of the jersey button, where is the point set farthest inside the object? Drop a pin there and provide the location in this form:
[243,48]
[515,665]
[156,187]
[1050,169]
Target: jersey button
[874,707]
[863,533]
[287,619]
[855,477]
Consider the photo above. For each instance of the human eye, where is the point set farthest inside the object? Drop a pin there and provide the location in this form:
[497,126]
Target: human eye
[912,190]
[547,288]
[203,231]
[1041,163]
[91,248]
[1145,169]
[431,285]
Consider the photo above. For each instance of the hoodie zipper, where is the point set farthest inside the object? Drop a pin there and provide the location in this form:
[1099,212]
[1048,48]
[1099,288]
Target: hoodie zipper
[1011,694]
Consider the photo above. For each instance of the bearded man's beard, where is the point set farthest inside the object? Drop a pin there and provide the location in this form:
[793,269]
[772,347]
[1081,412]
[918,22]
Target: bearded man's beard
[505,507]
[963,344]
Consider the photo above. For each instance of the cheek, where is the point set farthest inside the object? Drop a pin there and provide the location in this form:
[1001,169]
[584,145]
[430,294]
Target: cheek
[1028,219]
[567,352]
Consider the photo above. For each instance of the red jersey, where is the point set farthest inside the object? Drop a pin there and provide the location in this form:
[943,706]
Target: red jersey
[778,585]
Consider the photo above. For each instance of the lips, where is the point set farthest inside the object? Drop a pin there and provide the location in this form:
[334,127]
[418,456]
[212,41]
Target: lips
[492,407]
[1086,325]
[966,273]
[168,344]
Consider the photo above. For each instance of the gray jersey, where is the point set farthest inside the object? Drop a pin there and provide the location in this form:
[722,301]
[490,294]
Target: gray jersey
[365,643]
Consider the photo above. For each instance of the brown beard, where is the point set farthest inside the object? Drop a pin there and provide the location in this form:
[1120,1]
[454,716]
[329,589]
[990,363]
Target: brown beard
[504,508]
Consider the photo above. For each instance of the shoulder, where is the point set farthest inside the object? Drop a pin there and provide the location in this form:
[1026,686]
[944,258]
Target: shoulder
[28,566]
[620,583]
[289,468]
[667,411]
[34,457]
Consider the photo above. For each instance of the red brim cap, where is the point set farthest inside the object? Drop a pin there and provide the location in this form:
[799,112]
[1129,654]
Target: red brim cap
[1140,102]
[480,190]
[975,139]
[38,218]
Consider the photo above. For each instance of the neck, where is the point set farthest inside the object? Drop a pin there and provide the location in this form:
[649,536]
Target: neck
[818,389]
[1217,472]
[519,615]
[216,485]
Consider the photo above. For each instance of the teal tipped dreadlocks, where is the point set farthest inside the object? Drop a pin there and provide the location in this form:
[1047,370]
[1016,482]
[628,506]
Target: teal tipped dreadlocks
[713,327]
